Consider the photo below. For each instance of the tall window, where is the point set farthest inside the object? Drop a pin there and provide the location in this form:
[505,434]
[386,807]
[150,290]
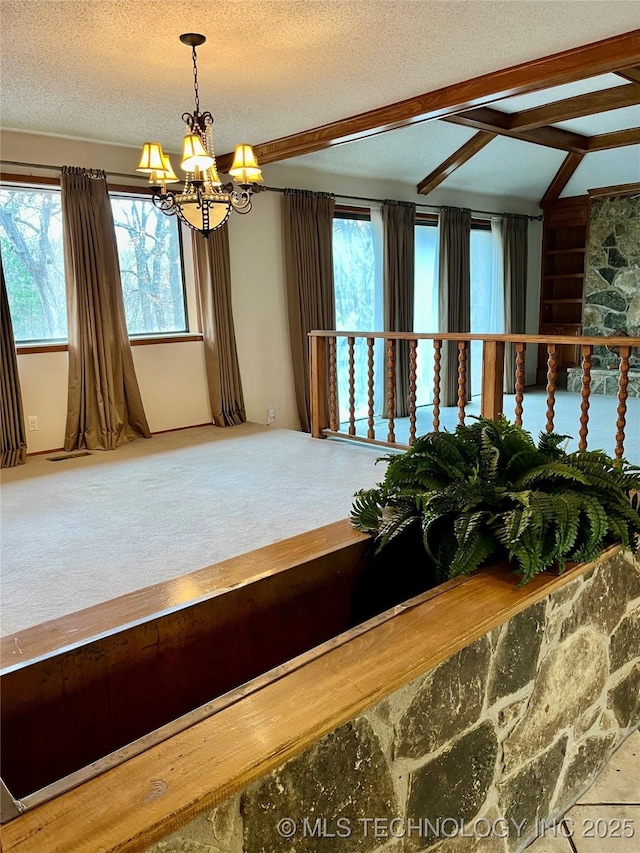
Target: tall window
[487,292]
[150,255]
[32,258]
[358,303]
[425,312]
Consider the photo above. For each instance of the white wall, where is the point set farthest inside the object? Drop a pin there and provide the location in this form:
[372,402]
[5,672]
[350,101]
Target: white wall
[171,376]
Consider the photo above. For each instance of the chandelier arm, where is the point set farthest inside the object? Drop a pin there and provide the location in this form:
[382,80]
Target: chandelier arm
[165,202]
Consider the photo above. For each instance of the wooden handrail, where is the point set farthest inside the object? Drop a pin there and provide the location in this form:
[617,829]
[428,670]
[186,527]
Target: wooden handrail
[494,349]
[576,340]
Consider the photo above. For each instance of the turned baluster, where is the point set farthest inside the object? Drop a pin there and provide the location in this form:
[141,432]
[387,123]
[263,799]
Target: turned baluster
[333,386]
[520,381]
[352,391]
[551,385]
[585,391]
[437,356]
[413,357]
[391,389]
[623,382]
[462,379]
[371,431]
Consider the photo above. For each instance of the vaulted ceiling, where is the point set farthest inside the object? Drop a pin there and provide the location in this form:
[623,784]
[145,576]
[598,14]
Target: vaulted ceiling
[116,72]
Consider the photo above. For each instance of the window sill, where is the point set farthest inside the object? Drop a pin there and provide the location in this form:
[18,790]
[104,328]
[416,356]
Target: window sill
[31,349]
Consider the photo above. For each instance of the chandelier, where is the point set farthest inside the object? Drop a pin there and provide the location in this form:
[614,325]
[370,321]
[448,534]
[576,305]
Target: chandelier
[205,203]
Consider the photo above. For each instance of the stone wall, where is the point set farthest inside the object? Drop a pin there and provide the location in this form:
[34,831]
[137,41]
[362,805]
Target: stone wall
[506,733]
[612,286]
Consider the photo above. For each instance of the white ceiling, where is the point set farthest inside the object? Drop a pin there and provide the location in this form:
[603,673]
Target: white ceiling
[115,71]
[604,122]
[557,93]
[602,169]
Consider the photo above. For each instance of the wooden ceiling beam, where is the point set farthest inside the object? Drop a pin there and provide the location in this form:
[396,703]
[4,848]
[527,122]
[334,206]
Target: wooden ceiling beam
[582,105]
[631,74]
[457,159]
[616,139]
[622,51]
[494,121]
[561,179]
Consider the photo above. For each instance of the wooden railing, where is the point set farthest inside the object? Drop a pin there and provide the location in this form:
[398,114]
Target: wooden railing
[325,417]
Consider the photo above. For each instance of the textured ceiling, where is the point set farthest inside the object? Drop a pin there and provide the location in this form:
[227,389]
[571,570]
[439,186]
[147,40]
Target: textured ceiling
[607,122]
[601,169]
[557,93]
[115,71]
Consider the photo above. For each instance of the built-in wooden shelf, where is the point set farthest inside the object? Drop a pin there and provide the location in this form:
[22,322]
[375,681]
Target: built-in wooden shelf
[562,282]
[579,275]
[566,251]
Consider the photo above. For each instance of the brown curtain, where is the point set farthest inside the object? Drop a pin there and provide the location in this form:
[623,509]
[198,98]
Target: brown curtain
[399,221]
[515,230]
[213,277]
[14,442]
[454,293]
[104,407]
[308,250]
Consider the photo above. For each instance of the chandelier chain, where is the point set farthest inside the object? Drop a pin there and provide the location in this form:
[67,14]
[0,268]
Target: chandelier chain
[195,78]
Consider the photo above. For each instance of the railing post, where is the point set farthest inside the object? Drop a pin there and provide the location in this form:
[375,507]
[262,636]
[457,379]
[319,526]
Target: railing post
[492,379]
[319,392]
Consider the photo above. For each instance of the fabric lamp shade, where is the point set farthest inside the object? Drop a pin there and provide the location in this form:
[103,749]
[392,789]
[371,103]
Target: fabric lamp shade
[245,165]
[194,154]
[169,176]
[152,158]
[212,176]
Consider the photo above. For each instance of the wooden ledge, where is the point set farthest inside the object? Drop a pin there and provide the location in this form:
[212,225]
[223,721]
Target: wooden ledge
[141,801]
[67,632]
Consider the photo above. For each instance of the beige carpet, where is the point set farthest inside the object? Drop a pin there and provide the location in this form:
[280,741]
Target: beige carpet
[82,531]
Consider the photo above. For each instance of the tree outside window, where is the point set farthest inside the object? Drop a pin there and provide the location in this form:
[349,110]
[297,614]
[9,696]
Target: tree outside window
[33,262]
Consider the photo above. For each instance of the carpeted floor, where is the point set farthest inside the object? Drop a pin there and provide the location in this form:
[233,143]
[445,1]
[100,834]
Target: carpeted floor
[82,531]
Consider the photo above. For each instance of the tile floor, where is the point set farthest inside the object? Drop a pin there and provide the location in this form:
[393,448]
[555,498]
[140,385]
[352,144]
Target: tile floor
[610,808]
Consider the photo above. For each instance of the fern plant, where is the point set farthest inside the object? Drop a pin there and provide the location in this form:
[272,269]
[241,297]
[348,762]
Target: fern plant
[487,491]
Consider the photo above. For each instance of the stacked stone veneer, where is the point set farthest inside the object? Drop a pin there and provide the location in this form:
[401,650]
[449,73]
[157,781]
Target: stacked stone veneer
[516,726]
[612,285]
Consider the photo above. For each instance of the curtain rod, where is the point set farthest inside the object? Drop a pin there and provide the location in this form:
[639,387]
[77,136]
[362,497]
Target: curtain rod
[418,204]
[265,189]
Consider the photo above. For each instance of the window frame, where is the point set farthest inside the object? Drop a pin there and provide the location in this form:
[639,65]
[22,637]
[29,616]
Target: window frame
[192,315]
[135,192]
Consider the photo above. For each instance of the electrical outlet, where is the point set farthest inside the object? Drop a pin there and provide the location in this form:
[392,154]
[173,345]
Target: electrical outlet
[33,422]
[271,415]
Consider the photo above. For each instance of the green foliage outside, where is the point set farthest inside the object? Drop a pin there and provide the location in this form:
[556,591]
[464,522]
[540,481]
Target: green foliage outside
[487,492]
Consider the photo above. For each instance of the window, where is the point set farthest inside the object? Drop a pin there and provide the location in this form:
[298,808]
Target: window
[425,310]
[31,240]
[487,291]
[358,298]
[32,258]
[150,252]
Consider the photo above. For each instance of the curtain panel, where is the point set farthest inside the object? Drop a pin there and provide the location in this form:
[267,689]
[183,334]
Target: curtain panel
[213,277]
[515,229]
[399,221]
[454,293]
[104,407]
[308,251]
[14,442]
